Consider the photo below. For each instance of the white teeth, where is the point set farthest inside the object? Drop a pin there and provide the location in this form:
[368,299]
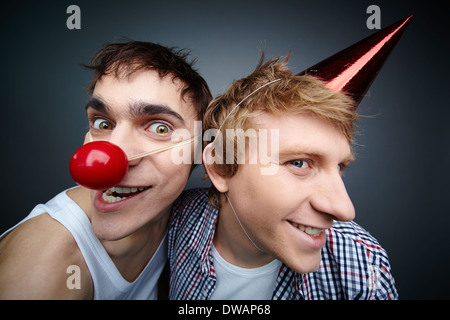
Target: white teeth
[111,199]
[313,231]
[309,230]
[108,195]
[120,190]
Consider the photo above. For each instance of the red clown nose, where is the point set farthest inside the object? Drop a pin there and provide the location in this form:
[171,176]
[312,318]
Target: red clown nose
[98,165]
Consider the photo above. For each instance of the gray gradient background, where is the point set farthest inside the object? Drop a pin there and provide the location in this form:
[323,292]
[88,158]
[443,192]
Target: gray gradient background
[400,181]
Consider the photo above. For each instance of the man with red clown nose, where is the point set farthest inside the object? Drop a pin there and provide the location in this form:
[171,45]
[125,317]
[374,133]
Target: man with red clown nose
[110,241]
[281,227]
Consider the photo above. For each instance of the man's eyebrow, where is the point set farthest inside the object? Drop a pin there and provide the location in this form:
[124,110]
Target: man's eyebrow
[141,108]
[136,109]
[292,153]
[97,104]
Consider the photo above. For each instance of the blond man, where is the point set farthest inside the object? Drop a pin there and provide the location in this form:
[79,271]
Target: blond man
[276,224]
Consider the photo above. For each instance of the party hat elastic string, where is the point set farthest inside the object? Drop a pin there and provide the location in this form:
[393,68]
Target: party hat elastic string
[147,153]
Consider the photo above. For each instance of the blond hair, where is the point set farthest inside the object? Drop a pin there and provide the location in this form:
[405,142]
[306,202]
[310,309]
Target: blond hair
[272,88]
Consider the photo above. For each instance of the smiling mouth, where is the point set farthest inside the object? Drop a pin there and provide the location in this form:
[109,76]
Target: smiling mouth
[313,232]
[116,194]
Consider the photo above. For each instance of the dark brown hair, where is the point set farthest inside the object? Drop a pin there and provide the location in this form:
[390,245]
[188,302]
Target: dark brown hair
[123,59]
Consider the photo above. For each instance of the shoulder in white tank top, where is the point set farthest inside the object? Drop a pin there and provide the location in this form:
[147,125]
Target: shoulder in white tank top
[108,282]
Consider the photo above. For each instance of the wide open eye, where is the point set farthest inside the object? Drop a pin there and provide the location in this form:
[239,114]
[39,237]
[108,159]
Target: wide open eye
[159,128]
[102,124]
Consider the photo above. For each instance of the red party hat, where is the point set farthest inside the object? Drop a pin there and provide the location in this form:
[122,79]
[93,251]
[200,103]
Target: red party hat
[353,69]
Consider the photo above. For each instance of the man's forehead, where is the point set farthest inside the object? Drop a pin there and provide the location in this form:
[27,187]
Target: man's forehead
[145,76]
[142,88]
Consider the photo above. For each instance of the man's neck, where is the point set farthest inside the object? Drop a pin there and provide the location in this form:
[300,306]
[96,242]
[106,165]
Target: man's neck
[232,243]
[132,253]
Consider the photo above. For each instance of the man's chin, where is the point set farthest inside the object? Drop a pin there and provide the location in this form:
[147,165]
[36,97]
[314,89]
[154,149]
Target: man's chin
[109,230]
[304,264]
[103,235]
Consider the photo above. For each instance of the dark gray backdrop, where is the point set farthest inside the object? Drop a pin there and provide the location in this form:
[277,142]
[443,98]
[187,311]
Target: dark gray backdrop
[399,183]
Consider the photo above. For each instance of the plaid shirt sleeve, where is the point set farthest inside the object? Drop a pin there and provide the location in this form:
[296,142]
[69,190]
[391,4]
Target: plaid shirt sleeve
[191,230]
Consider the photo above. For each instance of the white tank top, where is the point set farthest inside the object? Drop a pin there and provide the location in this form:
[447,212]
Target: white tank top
[108,282]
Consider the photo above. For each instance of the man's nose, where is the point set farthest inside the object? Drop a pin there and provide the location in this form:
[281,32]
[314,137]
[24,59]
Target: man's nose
[127,141]
[330,197]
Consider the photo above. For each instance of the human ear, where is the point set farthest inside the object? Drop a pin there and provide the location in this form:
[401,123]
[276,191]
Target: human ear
[219,181]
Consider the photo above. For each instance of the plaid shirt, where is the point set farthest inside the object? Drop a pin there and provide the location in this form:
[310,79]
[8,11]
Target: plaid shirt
[353,264]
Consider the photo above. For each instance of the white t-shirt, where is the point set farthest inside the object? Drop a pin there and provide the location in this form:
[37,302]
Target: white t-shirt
[108,282]
[236,283]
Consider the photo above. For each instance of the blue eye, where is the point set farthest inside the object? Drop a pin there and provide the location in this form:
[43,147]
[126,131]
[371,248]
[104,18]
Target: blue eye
[102,124]
[302,164]
[159,128]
